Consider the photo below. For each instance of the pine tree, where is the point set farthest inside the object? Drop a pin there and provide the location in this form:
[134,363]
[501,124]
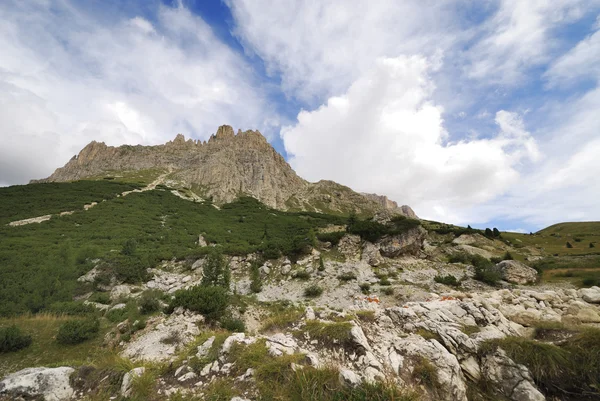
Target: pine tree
[489,233]
[216,270]
[496,232]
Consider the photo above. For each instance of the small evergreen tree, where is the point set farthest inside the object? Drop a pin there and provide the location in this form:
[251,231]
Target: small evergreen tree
[489,233]
[496,232]
[569,245]
[216,270]
[591,245]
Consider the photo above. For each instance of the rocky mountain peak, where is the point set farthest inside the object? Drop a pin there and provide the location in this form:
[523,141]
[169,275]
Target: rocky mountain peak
[224,167]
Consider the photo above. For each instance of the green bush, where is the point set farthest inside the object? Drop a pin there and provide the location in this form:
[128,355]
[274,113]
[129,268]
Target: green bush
[313,291]
[321,264]
[216,270]
[332,237]
[365,288]
[149,302]
[569,245]
[302,275]
[233,325]
[13,339]
[77,331]
[100,297]
[255,279]
[347,276]
[447,280]
[388,291]
[488,274]
[210,301]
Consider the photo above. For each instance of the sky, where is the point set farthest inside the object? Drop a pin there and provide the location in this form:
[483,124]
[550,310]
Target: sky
[479,112]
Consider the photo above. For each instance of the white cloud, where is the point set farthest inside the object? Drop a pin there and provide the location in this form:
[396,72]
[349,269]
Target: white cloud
[520,36]
[67,77]
[385,135]
[581,62]
[320,48]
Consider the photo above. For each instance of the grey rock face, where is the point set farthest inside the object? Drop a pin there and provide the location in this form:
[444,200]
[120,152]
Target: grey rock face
[51,383]
[222,168]
[408,243]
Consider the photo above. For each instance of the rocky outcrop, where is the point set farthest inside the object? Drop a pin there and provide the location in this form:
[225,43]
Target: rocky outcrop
[511,379]
[516,272]
[50,383]
[222,168]
[408,243]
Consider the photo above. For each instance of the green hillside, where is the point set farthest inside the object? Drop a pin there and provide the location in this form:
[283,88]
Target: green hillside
[39,263]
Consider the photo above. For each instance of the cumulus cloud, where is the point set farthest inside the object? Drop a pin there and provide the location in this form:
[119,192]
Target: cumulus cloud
[67,77]
[386,135]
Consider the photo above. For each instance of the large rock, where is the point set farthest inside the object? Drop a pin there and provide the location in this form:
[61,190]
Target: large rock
[50,383]
[591,295]
[160,342]
[371,254]
[350,247]
[517,272]
[450,380]
[128,379]
[509,378]
[408,243]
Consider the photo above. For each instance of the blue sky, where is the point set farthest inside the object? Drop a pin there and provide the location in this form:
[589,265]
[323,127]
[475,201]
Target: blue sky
[480,113]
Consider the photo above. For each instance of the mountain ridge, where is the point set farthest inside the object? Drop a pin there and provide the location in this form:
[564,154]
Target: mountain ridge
[223,168]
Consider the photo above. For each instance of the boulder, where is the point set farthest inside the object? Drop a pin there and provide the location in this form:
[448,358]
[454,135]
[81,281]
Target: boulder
[371,254]
[350,247]
[591,295]
[517,272]
[128,380]
[204,349]
[50,383]
[349,378]
[509,378]
[408,243]
[450,379]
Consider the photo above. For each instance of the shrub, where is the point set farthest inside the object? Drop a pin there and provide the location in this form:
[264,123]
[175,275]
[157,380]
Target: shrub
[459,258]
[330,334]
[77,331]
[388,291]
[216,270]
[426,373]
[321,264]
[487,274]
[13,339]
[210,301]
[347,276]
[255,280]
[313,291]
[591,245]
[149,302]
[233,325]
[569,245]
[129,247]
[333,237]
[447,280]
[302,275]
[365,288]
[100,297]
[385,281]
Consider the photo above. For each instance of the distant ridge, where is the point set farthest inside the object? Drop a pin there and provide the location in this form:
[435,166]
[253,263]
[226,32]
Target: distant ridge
[224,168]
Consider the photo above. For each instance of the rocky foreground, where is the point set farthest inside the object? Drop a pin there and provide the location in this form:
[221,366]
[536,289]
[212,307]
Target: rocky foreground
[432,340]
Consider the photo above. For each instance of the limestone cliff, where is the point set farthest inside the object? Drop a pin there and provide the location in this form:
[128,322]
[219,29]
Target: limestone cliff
[224,167]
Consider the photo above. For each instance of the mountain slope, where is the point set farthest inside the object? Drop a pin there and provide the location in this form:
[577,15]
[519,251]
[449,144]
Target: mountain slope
[224,167]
